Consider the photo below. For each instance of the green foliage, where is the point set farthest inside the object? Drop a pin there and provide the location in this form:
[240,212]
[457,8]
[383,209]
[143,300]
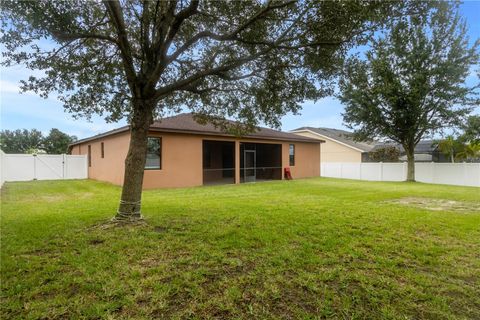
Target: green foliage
[457,149]
[57,142]
[33,141]
[471,129]
[469,152]
[450,147]
[300,249]
[251,60]
[21,141]
[385,154]
[412,81]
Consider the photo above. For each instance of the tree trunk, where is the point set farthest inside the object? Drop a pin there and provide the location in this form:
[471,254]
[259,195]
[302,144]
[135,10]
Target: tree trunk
[130,203]
[410,164]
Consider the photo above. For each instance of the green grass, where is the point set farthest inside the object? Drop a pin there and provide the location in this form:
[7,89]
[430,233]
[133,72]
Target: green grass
[303,249]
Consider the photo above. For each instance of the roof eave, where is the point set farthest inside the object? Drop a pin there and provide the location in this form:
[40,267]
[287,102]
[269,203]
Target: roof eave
[101,135]
[250,136]
[196,132]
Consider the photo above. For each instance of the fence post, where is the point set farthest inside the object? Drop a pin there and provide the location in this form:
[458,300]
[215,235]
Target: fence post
[34,166]
[381,170]
[64,166]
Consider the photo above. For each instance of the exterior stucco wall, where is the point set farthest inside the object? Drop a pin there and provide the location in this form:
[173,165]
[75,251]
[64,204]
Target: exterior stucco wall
[111,167]
[333,151]
[182,159]
[181,162]
[75,150]
[307,159]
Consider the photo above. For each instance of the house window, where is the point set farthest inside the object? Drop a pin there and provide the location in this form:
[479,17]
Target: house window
[154,153]
[89,155]
[292,154]
[103,150]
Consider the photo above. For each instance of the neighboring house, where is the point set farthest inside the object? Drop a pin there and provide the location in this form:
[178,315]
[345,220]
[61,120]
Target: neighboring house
[425,151]
[184,153]
[339,145]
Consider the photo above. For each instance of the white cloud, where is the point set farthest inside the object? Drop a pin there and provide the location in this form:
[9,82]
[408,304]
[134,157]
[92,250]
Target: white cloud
[10,87]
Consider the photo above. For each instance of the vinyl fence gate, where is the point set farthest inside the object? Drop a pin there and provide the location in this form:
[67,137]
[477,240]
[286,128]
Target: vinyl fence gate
[27,167]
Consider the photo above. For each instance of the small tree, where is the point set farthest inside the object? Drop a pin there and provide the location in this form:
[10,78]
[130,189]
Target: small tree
[251,60]
[21,141]
[385,154]
[411,81]
[470,152]
[57,142]
[450,147]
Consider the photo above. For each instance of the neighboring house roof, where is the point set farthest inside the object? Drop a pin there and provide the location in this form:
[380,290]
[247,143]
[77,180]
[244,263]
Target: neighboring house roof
[340,136]
[185,123]
[424,146]
[346,138]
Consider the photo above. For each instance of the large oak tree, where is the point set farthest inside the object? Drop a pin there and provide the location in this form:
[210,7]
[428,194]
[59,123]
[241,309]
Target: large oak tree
[249,60]
[412,82]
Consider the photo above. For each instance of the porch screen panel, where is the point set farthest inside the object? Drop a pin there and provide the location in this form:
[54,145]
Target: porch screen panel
[218,162]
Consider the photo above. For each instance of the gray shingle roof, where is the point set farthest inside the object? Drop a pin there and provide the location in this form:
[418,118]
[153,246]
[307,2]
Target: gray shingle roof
[341,136]
[185,123]
[424,146]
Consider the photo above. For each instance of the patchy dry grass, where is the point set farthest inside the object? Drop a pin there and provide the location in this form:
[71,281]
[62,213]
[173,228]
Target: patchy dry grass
[304,249]
[439,204]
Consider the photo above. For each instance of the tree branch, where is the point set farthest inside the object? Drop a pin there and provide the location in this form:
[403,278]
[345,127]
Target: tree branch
[62,36]
[227,36]
[275,45]
[163,47]
[208,72]
[179,18]
[226,67]
[116,16]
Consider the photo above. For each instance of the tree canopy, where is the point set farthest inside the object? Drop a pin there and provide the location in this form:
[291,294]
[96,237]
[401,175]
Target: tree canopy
[385,154]
[56,142]
[252,60]
[33,141]
[450,147]
[412,80]
[471,129]
[20,141]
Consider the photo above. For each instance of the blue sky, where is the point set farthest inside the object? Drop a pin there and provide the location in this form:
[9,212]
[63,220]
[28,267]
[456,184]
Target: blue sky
[29,111]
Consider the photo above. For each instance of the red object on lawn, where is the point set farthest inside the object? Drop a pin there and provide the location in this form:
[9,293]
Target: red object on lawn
[287,174]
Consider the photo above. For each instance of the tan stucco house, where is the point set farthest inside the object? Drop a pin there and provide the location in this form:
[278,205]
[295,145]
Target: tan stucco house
[339,145]
[184,153]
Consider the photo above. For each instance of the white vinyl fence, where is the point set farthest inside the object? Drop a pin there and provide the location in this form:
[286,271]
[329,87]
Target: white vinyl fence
[26,167]
[462,174]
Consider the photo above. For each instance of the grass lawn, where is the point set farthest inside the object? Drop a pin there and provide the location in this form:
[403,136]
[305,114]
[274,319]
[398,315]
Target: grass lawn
[303,249]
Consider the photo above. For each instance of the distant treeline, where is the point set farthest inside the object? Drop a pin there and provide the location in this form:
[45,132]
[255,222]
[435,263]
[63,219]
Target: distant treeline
[33,141]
